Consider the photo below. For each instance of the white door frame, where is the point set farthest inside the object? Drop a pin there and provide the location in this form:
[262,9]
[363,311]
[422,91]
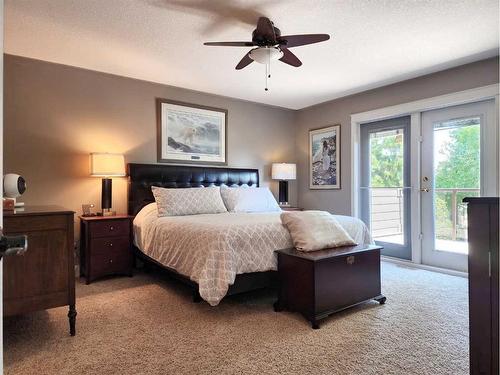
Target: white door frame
[415,109]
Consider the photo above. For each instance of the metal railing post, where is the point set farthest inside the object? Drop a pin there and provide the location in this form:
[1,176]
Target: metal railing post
[454,214]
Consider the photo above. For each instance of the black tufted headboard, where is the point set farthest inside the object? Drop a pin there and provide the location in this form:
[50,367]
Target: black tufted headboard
[142,176]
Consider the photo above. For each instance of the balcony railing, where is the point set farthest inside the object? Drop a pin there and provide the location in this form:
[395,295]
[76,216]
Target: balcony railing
[458,214]
[387,212]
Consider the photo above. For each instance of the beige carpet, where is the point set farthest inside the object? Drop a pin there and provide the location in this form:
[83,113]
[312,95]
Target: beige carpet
[148,325]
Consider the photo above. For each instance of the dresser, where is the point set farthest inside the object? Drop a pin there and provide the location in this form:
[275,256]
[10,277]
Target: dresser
[483,284]
[43,277]
[106,246]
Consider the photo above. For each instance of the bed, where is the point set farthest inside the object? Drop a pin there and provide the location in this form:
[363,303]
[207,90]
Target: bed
[215,254]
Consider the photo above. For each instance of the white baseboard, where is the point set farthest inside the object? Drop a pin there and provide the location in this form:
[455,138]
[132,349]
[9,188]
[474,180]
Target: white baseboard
[410,264]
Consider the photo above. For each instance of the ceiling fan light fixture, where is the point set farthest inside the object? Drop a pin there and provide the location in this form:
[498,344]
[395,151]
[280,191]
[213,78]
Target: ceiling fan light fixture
[264,55]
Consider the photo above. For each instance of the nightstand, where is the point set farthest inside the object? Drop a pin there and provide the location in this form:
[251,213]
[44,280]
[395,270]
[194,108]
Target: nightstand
[290,208]
[106,246]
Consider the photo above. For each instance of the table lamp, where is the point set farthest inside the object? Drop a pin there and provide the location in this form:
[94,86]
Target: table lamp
[283,172]
[107,165]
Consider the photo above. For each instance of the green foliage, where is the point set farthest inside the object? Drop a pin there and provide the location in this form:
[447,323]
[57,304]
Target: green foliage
[387,161]
[460,168]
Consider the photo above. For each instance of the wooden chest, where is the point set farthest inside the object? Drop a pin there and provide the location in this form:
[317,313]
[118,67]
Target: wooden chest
[43,277]
[320,283]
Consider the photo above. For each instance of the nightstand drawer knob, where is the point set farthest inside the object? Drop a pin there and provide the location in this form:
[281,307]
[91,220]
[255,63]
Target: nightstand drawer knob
[111,261]
[350,260]
[111,244]
[111,228]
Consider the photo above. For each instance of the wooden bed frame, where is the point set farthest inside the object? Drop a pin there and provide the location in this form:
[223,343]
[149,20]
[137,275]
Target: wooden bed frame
[142,176]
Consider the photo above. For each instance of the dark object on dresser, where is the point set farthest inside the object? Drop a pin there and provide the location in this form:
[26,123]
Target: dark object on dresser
[141,177]
[106,247]
[44,277]
[483,224]
[320,283]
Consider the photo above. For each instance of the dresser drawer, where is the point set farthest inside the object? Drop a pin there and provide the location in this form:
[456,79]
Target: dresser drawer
[108,228]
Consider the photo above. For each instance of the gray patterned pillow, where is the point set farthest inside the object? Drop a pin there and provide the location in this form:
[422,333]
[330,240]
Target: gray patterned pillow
[188,201]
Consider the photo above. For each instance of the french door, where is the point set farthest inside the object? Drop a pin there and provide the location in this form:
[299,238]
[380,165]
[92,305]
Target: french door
[455,163]
[427,162]
[385,184]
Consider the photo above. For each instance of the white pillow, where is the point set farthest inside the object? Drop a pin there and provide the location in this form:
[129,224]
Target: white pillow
[188,201]
[249,199]
[315,230]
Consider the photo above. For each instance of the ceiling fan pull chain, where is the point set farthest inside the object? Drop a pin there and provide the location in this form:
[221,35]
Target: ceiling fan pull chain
[269,62]
[268,69]
[266,89]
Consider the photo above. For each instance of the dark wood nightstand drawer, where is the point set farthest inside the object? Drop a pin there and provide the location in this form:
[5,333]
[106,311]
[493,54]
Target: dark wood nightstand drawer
[110,245]
[111,262]
[108,228]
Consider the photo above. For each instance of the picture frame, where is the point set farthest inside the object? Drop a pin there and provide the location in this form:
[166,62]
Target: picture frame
[190,133]
[324,158]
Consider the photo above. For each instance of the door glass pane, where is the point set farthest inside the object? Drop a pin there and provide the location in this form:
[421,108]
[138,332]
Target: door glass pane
[456,176]
[386,182]
[385,175]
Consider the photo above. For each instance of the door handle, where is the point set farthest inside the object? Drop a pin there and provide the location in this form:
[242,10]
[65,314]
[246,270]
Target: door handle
[13,245]
[424,190]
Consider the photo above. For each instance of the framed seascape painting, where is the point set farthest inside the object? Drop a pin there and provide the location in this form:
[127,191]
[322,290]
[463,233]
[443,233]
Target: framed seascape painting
[324,158]
[190,133]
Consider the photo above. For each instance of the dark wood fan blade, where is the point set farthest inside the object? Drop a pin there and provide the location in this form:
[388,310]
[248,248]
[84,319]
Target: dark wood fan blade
[230,44]
[246,60]
[265,31]
[289,58]
[290,41]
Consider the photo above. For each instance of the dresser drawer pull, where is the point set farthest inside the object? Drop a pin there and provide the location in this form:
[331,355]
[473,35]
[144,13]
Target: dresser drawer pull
[111,244]
[111,228]
[350,260]
[111,261]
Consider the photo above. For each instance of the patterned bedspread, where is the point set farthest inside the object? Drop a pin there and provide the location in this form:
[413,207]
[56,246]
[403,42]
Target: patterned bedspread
[212,249]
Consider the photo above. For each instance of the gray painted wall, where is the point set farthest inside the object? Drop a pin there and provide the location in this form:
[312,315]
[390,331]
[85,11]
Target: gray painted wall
[338,111]
[55,115]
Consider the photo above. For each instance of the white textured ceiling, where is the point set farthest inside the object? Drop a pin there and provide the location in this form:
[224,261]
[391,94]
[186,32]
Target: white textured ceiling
[373,42]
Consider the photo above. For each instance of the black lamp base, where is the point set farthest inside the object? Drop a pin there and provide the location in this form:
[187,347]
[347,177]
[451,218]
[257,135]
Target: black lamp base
[106,197]
[283,193]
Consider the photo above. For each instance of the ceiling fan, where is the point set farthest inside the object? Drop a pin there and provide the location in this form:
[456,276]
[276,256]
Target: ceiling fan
[271,45]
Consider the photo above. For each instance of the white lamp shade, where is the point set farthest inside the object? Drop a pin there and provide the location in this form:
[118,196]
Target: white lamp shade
[284,171]
[107,165]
